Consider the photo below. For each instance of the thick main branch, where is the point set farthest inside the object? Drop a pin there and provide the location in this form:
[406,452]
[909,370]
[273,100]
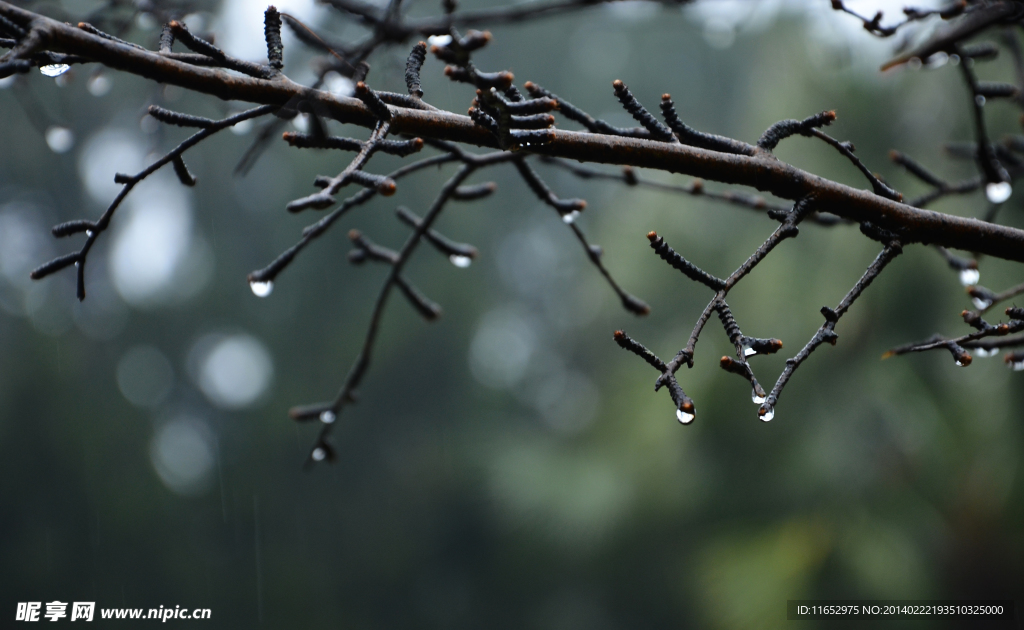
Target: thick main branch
[762,172]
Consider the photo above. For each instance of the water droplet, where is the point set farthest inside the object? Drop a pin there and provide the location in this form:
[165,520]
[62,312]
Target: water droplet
[682,416]
[1017,366]
[969,277]
[99,84]
[748,351]
[757,399]
[319,454]
[981,304]
[460,261]
[998,192]
[242,128]
[439,40]
[569,217]
[983,352]
[60,139]
[8,81]
[261,289]
[914,63]
[88,233]
[327,416]
[980,100]
[766,413]
[54,70]
[959,363]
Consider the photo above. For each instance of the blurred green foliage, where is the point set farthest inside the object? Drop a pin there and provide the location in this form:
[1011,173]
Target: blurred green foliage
[570,498]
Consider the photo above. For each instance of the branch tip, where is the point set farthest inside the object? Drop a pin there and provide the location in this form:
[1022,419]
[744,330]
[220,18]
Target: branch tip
[272,35]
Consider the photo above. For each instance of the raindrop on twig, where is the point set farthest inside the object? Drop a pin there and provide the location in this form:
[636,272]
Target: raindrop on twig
[460,261]
[261,289]
[54,70]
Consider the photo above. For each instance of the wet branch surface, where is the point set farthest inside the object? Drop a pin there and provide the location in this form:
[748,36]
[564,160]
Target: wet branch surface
[762,172]
[521,131]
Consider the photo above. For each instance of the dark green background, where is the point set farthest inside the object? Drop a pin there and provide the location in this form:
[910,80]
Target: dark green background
[455,505]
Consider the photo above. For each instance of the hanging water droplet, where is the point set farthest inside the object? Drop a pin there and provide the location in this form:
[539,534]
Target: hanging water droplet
[54,70]
[460,261]
[959,363]
[683,417]
[439,40]
[88,233]
[766,413]
[998,192]
[1017,366]
[980,100]
[242,128]
[327,416]
[569,217]
[969,277]
[757,399]
[748,351]
[319,454]
[261,289]
[983,352]
[981,304]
